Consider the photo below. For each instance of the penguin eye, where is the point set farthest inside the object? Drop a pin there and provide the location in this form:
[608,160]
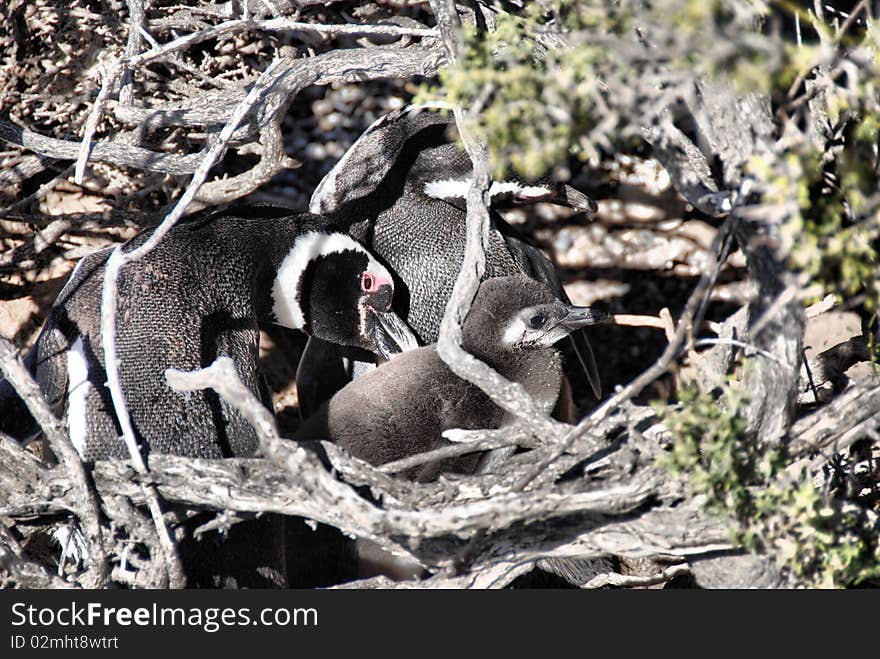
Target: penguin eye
[537,322]
[368,284]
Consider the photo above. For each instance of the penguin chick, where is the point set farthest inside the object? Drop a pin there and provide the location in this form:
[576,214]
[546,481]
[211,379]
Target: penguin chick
[198,295]
[402,407]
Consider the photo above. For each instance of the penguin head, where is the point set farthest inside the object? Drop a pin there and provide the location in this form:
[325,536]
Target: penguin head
[330,287]
[510,314]
[415,150]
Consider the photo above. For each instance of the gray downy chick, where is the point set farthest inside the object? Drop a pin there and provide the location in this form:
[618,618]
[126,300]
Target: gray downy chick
[402,408]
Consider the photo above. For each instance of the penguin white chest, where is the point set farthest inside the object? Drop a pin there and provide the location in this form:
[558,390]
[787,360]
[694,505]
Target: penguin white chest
[78,387]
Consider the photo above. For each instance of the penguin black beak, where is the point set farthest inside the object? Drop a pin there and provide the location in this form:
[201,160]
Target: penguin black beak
[578,317]
[380,296]
[388,333]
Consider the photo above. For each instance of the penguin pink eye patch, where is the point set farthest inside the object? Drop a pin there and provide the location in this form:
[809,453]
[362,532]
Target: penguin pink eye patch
[371,283]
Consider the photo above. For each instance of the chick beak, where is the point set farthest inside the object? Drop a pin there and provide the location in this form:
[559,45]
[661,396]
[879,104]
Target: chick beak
[577,317]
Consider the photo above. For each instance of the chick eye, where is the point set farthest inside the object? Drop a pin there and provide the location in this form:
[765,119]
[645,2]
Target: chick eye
[537,322]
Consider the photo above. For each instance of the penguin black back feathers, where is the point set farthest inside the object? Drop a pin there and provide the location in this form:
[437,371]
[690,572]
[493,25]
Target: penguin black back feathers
[198,295]
[402,407]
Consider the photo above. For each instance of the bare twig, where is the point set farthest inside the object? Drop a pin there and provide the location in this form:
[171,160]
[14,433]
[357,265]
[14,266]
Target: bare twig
[348,65]
[827,303]
[742,344]
[112,74]
[136,32]
[632,320]
[84,221]
[630,580]
[36,194]
[88,510]
[25,168]
[108,151]
[476,441]
[785,297]
[853,15]
[40,241]
[272,25]
[691,317]
[222,377]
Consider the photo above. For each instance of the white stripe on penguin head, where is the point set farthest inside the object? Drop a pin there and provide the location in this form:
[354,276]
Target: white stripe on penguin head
[458,189]
[306,248]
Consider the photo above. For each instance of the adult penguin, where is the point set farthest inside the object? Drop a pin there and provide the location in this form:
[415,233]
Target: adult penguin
[400,190]
[198,295]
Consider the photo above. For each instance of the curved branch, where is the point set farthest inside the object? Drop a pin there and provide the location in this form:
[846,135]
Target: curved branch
[85,503]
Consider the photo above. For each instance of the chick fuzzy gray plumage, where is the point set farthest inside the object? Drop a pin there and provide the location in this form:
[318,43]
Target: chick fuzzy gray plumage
[403,407]
[198,295]
[400,191]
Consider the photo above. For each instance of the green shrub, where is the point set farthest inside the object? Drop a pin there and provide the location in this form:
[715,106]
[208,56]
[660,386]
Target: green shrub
[824,541]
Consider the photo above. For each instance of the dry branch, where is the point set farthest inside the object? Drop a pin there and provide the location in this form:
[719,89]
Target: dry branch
[253,485]
[584,432]
[37,244]
[107,151]
[614,579]
[468,441]
[839,424]
[86,505]
[226,28]
[293,75]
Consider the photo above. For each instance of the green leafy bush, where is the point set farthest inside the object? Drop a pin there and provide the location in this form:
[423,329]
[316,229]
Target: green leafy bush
[824,541]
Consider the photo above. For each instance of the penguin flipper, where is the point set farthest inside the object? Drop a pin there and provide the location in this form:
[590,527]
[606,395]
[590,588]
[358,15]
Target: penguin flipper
[320,374]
